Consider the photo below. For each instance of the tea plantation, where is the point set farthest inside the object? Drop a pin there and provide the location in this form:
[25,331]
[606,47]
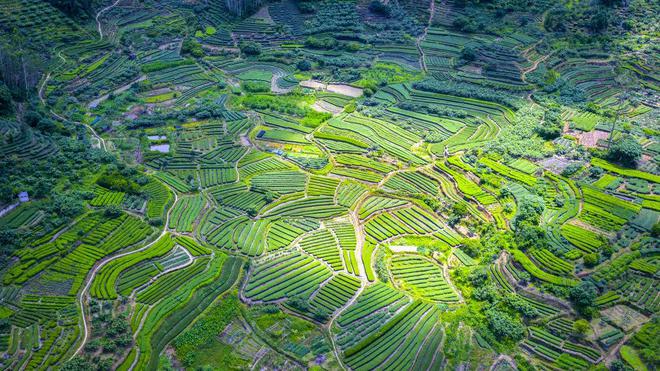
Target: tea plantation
[329,185]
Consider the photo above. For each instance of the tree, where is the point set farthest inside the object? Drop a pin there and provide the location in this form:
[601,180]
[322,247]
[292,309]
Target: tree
[599,21]
[522,306]
[504,326]
[626,151]
[472,247]
[581,327]
[77,363]
[321,314]
[304,65]
[5,325]
[655,232]
[529,210]
[192,47]
[591,260]
[299,302]
[112,211]
[584,296]
[551,126]
[379,7]
[250,48]
[5,99]
[67,205]
[468,54]
[555,20]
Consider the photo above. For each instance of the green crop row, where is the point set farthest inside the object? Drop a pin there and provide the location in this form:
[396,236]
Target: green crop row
[530,267]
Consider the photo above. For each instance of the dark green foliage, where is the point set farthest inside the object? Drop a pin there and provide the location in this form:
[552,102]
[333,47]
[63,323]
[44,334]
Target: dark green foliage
[192,47]
[206,328]
[520,305]
[551,126]
[118,182]
[299,302]
[591,260]
[78,363]
[320,42]
[571,169]
[5,326]
[472,247]
[380,7]
[161,65]
[467,90]
[304,65]
[599,21]
[625,151]
[584,296]
[468,54]
[485,293]
[256,86]
[5,99]
[112,212]
[67,205]
[504,326]
[74,8]
[250,48]
[647,340]
[465,24]
[556,19]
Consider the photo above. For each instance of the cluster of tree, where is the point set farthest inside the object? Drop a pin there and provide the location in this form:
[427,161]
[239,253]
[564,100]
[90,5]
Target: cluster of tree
[117,181]
[625,151]
[192,47]
[467,90]
[20,69]
[5,99]
[242,8]
[551,126]
[114,332]
[335,16]
[202,109]
[381,8]
[316,42]
[528,233]
[250,48]
[73,8]
[436,110]
[594,18]
[301,303]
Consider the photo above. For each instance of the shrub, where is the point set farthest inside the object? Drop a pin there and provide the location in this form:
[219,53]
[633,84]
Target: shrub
[583,296]
[591,260]
[250,48]
[381,8]
[625,151]
[192,47]
[504,326]
[304,65]
[5,99]
[468,54]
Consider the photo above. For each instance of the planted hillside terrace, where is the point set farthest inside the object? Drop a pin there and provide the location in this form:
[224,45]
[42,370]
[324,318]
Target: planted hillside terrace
[329,184]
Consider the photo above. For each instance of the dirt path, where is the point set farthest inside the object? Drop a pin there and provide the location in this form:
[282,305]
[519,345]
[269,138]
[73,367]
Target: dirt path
[98,22]
[505,358]
[273,83]
[359,235]
[94,103]
[100,142]
[92,274]
[418,43]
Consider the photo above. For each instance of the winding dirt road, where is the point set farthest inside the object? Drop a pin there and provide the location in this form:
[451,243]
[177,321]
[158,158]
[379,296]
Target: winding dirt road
[98,23]
[418,43]
[92,274]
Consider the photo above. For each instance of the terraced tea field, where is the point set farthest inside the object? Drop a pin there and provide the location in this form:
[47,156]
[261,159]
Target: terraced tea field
[329,184]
